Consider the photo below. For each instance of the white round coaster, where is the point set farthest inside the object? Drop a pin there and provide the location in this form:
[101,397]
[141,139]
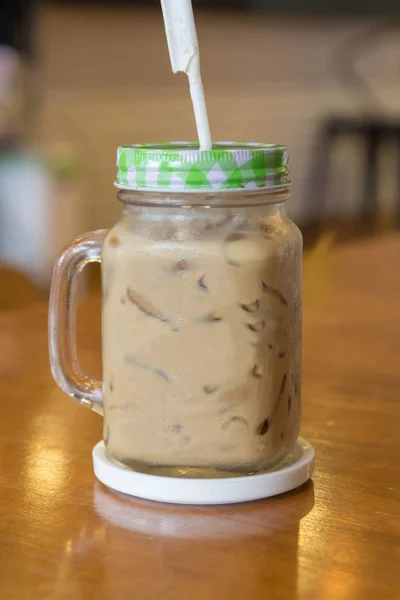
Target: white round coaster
[296,469]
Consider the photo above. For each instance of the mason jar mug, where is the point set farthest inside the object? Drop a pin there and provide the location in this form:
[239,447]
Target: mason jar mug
[201,312]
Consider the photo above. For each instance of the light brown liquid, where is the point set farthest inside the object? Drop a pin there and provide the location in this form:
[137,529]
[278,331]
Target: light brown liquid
[201,346]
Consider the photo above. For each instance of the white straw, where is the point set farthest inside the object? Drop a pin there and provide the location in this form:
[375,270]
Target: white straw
[184,54]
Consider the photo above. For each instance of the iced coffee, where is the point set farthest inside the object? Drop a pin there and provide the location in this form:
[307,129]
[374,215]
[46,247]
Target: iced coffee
[201,331]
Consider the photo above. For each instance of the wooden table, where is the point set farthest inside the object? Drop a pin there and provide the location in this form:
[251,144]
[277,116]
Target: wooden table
[63,535]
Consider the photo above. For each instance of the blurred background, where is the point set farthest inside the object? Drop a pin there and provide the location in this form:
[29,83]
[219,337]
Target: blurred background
[77,79]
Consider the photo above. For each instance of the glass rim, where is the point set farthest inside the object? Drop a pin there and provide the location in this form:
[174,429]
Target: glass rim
[207,199]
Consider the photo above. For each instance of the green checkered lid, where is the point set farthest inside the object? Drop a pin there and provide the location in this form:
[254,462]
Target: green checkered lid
[182,167]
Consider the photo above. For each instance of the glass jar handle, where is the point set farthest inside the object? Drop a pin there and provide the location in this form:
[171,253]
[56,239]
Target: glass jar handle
[62,321]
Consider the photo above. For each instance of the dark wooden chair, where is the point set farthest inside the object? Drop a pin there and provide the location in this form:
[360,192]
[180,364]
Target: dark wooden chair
[373,132]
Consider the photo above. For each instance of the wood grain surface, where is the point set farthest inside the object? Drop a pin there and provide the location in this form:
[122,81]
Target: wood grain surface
[65,536]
